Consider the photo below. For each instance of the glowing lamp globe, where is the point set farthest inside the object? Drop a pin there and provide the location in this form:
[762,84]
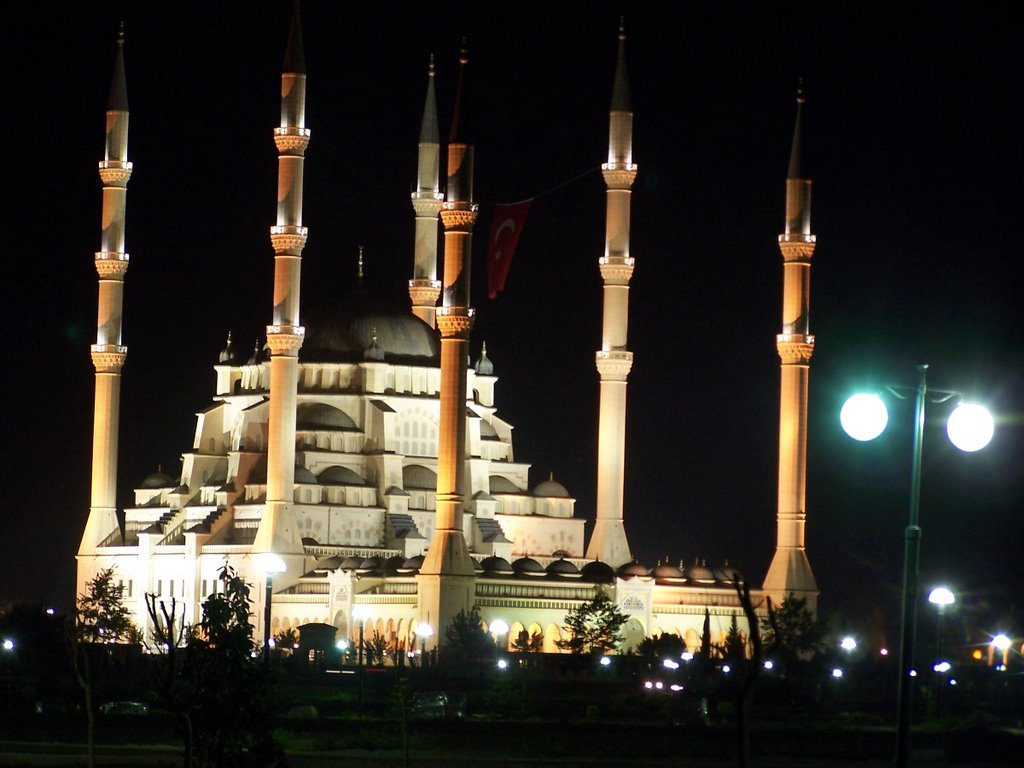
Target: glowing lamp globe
[864,417]
[970,427]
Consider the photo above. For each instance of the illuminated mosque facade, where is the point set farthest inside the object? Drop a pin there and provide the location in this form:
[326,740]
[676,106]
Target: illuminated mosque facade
[366,457]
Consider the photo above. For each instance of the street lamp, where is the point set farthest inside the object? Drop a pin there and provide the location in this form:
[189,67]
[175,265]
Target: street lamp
[848,644]
[269,564]
[1002,644]
[423,631]
[498,628]
[361,613]
[970,428]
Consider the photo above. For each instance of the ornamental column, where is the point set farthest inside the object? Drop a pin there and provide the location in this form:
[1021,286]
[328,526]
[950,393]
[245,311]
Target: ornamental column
[108,354]
[446,579]
[278,532]
[790,571]
[424,288]
[608,542]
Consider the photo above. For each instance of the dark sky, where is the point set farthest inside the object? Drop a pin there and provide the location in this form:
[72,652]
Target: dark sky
[911,139]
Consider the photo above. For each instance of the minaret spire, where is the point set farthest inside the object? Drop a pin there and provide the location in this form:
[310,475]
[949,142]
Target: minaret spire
[108,354]
[424,288]
[790,571]
[614,360]
[278,532]
[446,579]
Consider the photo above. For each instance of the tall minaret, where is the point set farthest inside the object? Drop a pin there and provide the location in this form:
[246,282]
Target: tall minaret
[790,572]
[446,580]
[108,354]
[278,532]
[424,288]
[608,542]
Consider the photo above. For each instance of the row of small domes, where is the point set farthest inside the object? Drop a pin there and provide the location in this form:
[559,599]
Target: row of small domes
[527,567]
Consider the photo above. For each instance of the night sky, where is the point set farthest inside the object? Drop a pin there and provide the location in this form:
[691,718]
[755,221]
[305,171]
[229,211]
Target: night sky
[911,139]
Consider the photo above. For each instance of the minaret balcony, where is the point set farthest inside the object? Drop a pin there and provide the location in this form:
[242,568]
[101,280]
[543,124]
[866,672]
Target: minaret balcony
[614,364]
[291,140]
[111,265]
[115,173]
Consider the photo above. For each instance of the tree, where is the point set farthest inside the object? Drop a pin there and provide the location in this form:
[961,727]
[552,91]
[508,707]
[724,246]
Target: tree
[466,632]
[593,627]
[524,642]
[216,683]
[100,618]
[376,649]
[734,647]
[791,631]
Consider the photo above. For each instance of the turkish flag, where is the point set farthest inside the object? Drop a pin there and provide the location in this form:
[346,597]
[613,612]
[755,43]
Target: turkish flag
[506,225]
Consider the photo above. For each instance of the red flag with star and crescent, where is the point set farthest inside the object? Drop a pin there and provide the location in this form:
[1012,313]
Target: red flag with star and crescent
[506,226]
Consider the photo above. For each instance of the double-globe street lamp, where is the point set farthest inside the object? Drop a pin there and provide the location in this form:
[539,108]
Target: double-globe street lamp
[423,631]
[970,428]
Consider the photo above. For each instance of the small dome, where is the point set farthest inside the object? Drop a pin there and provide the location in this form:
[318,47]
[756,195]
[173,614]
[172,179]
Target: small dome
[320,416]
[374,563]
[337,475]
[412,565]
[158,480]
[484,367]
[303,475]
[598,572]
[393,564]
[631,569]
[501,484]
[667,571]
[496,565]
[699,573]
[551,488]
[419,477]
[563,568]
[727,574]
[527,566]
[351,563]
[477,568]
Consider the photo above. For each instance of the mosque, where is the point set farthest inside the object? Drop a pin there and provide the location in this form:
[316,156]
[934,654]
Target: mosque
[356,468]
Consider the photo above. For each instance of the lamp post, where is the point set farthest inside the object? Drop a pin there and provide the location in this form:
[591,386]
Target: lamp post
[269,564]
[940,597]
[969,428]
[423,631]
[360,613]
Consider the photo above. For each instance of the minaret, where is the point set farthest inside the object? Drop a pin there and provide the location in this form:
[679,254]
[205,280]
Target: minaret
[446,579]
[424,288]
[608,542]
[108,354]
[278,532]
[790,572]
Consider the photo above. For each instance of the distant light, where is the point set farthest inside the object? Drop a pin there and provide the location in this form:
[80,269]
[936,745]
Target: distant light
[769,665]
[342,645]
[502,664]
[499,627]
[864,417]
[837,672]
[272,643]
[1000,667]
[605,661]
[848,644]
[676,687]
[686,656]
[952,681]
[670,664]
[648,684]
[942,666]
[424,630]
[8,645]
[1000,642]
[913,673]
[50,611]
[970,427]
[941,596]
[659,685]
[883,651]
[726,668]
[360,612]
[977,655]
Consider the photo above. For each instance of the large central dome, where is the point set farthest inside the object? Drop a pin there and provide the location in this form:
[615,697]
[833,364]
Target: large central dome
[344,331]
